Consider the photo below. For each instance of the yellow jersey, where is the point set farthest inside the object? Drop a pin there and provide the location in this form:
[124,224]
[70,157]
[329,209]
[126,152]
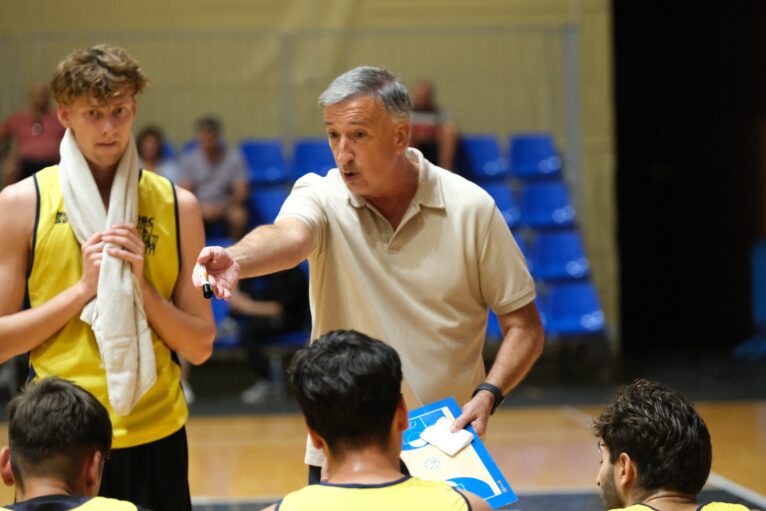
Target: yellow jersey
[405,494]
[72,352]
[68,503]
[712,506]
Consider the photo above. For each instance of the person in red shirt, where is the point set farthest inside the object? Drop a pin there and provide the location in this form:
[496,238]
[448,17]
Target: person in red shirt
[36,133]
[434,133]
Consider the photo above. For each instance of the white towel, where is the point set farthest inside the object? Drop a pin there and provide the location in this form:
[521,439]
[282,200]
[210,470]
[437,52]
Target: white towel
[116,314]
[445,440]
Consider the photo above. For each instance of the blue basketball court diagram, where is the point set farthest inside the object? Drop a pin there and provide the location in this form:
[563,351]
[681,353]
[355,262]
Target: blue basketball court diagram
[471,469]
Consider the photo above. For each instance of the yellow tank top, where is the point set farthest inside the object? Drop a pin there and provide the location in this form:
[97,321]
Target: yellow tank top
[406,494]
[67,503]
[72,352]
[712,506]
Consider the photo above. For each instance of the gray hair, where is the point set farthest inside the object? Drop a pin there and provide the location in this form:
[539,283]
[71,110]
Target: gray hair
[369,81]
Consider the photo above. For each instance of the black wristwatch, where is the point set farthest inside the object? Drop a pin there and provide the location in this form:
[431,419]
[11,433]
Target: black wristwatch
[495,391]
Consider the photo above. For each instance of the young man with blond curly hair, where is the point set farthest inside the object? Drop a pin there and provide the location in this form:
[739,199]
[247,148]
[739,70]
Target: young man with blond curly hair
[95,249]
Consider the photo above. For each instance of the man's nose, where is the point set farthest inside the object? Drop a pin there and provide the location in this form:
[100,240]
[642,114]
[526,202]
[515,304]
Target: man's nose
[344,153]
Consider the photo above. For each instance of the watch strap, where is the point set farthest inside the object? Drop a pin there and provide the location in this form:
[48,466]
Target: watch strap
[494,390]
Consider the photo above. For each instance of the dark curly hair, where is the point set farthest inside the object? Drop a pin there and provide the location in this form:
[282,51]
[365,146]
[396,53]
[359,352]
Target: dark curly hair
[662,432]
[348,386]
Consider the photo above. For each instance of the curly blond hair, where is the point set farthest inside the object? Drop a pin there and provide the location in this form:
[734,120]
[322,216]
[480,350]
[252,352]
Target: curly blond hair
[103,72]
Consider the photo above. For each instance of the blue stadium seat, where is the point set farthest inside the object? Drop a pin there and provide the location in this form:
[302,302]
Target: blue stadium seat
[533,155]
[168,151]
[572,308]
[219,241]
[312,155]
[265,161]
[558,255]
[546,205]
[481,158]
[227,330]
[265,204]
[503,197]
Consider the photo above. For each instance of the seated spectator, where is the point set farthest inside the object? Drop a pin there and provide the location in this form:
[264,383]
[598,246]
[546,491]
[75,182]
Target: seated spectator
[349,389]
[655,452]
[433,132]
[60,436]
[150,143]
[217,176]
[37,134]
[269,305]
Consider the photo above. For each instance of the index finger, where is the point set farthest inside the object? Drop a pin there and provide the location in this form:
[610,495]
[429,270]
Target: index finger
[206,254]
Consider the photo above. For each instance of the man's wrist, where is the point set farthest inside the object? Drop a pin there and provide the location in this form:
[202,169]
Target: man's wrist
[492,389]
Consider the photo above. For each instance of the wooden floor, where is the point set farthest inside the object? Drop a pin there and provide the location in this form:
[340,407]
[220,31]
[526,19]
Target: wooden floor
[538,449]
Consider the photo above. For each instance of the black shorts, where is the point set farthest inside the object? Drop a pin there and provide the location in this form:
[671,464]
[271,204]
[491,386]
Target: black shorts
[153,475]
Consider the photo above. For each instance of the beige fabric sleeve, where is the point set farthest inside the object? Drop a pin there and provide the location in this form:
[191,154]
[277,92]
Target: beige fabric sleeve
[506,284]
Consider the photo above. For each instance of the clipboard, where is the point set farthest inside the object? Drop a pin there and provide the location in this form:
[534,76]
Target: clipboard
[472,469]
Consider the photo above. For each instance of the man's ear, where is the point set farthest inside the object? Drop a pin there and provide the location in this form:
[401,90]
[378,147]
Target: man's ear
[402,136]
[626,472]
[62,112]
[316,440]
[5,466]
[94,466]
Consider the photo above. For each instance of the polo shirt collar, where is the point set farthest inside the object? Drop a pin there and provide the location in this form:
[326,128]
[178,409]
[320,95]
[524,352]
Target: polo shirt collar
[429,193]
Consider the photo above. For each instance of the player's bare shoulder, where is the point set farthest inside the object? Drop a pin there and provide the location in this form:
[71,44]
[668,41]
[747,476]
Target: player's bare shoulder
[187,202]
[18,205]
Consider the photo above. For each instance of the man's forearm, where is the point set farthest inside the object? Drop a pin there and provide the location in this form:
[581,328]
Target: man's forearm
[521,347]
[271,248]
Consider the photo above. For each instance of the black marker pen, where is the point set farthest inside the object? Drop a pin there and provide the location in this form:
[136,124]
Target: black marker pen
[207,289]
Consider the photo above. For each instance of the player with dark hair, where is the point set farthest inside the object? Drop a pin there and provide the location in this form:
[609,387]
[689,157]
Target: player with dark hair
[655,452]
[348,386]
[60,436]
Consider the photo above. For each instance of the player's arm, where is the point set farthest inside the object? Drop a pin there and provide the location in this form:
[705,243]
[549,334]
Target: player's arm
[522,345]
[186,324]
[21,331]
[272,507]
[266,249]
[477,503]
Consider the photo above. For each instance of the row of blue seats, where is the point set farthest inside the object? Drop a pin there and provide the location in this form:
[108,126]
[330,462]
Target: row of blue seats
[529,156]
[567,309]
[551,254]
[542,205]
[479,158]
[266,162]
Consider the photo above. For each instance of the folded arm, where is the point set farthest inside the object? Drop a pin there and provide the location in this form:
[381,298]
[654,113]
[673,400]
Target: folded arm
[21,331]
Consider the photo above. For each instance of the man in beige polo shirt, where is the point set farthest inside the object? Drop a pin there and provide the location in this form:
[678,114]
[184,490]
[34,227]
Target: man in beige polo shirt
[401,250]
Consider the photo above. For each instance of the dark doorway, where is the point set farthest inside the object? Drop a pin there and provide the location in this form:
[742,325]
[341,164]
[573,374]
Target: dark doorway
[689,81]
